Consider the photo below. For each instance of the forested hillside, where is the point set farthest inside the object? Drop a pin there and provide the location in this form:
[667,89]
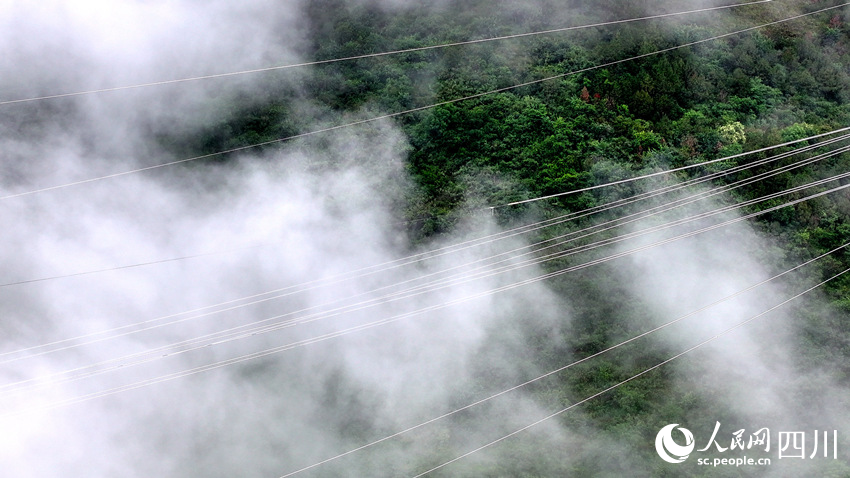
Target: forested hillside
[461,152]
[740,93]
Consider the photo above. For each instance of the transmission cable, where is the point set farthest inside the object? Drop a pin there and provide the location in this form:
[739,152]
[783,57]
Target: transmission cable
[645,176]
[375,55]
[496,236]
[398,317]
[443,283]
[359,273]
[413,110]
[565,367]
[587,399]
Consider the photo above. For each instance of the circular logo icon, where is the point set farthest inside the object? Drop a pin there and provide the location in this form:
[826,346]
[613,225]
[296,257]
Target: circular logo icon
[669,450]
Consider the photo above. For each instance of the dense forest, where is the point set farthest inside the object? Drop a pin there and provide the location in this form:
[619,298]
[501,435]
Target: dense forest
[576,124]
[740,93]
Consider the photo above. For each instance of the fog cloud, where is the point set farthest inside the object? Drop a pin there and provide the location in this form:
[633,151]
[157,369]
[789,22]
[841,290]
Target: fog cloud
[284,217]
[270,220]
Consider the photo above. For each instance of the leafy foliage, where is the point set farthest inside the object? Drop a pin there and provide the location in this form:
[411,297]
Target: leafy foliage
[686,106]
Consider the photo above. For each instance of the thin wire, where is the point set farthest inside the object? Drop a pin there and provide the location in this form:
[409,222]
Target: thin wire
[253,329]
[363,272]
[492,237]
[267,352]
[233,334]
[553,372]
[601,243]
[413,110]
[617,222]
[396,318]
[239,332]
[652,175]
[699,231]
[374,55]
[631,378]
[122,267]
[585,400]
[622,60]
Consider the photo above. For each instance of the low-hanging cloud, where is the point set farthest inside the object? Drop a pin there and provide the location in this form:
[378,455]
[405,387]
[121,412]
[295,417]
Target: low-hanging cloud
[271,220]
[751,377]
[267,220]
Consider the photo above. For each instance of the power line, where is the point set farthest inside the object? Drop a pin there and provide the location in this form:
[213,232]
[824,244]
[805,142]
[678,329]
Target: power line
[572,364]
[616,385]
[409,111]
[240,332]
[698,197]
[605,242]
[375,55]
[237,332]
[363,272]
[659,173]
[441,283]
[587,399]
[503,234]
[119,268]
[616,223]
[385,321]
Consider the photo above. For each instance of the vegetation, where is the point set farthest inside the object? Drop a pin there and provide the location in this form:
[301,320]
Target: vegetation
[690,105]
